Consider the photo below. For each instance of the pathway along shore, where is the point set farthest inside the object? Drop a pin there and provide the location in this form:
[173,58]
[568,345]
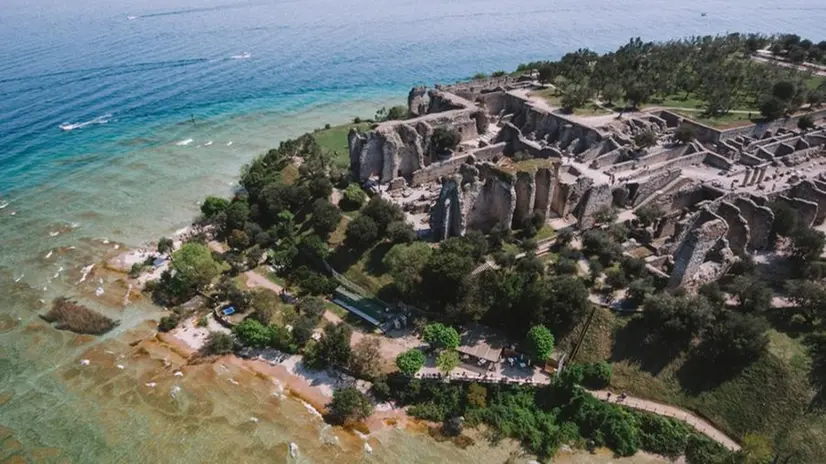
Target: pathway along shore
[700,425]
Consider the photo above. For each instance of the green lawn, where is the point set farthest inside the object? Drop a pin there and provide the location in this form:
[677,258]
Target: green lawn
[334,140]
[725,121]
[554,98]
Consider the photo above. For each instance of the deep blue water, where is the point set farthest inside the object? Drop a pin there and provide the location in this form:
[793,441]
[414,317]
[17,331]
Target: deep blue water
[150,64]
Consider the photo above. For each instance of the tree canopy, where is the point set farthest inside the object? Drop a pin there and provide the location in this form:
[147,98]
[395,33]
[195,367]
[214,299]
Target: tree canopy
[539,342]
[410,361]
[441,336]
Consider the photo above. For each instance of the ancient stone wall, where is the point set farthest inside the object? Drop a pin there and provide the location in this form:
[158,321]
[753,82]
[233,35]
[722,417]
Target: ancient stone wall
[446,218]
[702,236]
[738,235]
[644,189]
[544,182]
[759,220]
[489,202]
[478,199]
[609,159]
[807,190]
[717,161]
[597,198]
[805,210]
[400,148]
[493,102]
[525,197]
[439,169]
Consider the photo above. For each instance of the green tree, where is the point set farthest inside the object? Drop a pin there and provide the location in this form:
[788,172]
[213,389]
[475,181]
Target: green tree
[352,198]
[218,343]
[645,139]
[250,332]
[445,139]
[168,323]
[405,264]
[539,343]
[734,339]
[238,239]
[265,305]
[362,233]
[567,302]
[772,108]
[807,244]
[639,290]
[649,214]
[597,375]
[752,294]
[334,345]
[366,359]
[441,336]
[401,232]
[349,405]
[213,206]
[410,361]
[237,213]
[685,133]
[326,217]
[447,360]
[194,265]
[805,123]
[808,296]
[320,186]
[383,212]
[165,245]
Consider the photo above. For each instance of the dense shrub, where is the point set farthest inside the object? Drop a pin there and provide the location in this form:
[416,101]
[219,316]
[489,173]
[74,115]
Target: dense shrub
[597,375]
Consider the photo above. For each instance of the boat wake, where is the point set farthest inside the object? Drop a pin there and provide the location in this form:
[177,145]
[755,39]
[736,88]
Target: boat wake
[66,126]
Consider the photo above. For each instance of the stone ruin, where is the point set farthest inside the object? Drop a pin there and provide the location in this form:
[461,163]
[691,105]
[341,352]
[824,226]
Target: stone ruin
[714,192]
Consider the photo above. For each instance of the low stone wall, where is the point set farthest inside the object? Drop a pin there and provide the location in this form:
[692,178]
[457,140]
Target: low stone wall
[759,219]
[648,187]
[717,161]
[445,168]
[709,134]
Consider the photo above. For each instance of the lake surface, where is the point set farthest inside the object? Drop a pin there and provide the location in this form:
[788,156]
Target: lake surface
[166,101]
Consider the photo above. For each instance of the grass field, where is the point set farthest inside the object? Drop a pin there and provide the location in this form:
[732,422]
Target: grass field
[554,98]
[334,140]
[768,396]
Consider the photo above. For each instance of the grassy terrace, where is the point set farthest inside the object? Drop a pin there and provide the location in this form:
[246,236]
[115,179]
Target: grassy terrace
[554,98]
[334,139]
[768,397]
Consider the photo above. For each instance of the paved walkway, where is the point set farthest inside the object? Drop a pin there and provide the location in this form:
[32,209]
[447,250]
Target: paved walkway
[699,424]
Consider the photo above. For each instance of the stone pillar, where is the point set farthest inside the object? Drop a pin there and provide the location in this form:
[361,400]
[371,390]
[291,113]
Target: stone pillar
[762,174]
[746,177]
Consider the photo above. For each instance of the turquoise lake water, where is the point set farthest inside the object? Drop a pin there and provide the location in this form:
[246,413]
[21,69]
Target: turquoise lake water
[129,79]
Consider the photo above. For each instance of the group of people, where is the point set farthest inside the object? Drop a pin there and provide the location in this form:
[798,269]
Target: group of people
[620,398]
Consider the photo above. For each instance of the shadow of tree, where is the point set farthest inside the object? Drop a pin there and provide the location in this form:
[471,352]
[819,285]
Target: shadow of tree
[699,373]
[789,321]
[630,345]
